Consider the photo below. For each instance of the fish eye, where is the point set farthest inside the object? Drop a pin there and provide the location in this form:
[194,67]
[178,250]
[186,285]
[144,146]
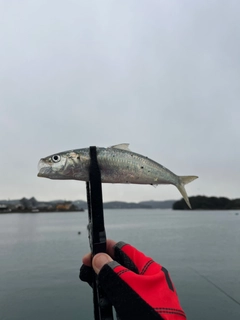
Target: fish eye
[56,158]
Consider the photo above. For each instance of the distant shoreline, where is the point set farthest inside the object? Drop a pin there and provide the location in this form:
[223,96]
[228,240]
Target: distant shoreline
[32,205]
[30,212]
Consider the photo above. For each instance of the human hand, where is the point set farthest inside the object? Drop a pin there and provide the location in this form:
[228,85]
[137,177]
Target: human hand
[136,286]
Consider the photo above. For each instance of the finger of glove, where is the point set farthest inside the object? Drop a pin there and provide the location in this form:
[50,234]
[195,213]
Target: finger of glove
[127,302]
[86,274]
[135,260]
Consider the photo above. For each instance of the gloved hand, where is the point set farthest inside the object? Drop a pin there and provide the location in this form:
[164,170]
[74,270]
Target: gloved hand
[136,286]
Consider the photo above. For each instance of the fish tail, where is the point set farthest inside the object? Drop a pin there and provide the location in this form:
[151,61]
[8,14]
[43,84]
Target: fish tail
[182,181]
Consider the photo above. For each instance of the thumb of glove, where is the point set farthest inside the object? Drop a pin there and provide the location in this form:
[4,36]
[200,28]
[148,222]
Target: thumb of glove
[99,260]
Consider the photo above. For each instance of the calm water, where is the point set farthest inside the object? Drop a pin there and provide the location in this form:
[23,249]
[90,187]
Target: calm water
[40,257]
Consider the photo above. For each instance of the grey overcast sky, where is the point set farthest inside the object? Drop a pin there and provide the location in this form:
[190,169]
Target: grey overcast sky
[163,76]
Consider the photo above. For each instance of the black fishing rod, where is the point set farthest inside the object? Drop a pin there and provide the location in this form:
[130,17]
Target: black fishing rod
[97,234]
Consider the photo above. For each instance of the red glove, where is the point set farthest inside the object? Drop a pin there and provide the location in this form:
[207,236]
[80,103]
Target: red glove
[136,286]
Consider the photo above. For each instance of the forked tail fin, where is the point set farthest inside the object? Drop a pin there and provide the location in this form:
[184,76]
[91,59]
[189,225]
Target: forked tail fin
[185,180]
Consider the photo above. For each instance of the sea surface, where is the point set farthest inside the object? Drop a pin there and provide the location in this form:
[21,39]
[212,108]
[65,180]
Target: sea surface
[40,257]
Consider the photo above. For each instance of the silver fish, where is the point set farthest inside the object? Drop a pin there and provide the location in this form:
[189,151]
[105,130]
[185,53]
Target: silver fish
[117,165]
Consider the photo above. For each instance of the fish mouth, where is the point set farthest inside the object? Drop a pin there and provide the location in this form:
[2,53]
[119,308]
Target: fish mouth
[41,174]
[44,169]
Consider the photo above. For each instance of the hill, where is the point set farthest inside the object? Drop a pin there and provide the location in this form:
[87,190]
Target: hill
[208,203]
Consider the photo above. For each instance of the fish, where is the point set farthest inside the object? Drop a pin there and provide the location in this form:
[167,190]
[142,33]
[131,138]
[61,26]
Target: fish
[117,164]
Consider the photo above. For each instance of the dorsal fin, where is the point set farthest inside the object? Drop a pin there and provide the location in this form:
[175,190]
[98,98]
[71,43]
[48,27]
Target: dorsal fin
[122,146]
